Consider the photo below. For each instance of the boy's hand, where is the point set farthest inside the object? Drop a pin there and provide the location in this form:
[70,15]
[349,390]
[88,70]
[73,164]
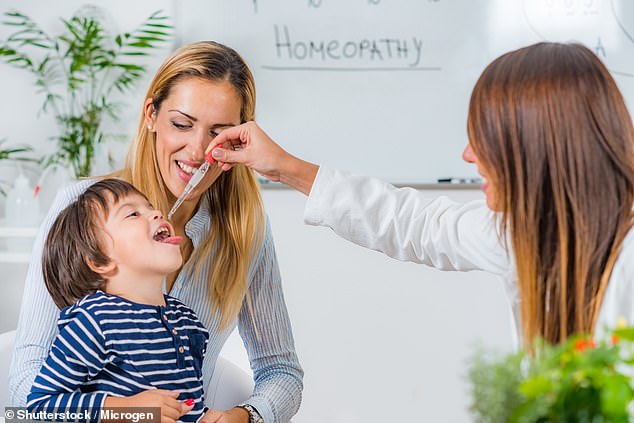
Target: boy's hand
[235,415]
[171,408]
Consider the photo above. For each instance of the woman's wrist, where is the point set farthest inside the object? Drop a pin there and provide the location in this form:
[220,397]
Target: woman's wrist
[298,174]
[244,415]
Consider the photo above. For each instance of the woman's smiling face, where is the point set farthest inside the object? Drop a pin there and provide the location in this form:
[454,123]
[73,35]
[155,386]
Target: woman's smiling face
[193,113]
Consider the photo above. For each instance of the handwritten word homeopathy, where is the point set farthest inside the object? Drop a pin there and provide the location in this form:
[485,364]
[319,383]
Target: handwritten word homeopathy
[382,50]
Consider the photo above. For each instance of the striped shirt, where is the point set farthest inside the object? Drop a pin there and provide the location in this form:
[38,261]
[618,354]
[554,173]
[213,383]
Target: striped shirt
[108,345]
[270,346]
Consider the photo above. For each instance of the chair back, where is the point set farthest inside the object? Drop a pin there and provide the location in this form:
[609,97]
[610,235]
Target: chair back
[7,341]
[228,387]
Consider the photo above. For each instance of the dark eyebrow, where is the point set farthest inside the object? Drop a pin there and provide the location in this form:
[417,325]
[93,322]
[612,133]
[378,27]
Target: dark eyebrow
[184,114]
[217,125]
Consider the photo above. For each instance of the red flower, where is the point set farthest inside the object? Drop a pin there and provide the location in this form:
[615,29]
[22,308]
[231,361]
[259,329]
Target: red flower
[583,344]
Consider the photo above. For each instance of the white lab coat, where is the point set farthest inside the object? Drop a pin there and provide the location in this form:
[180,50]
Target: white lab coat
[405,224]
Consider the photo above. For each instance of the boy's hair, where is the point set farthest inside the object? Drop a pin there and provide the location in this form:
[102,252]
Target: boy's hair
[75,239]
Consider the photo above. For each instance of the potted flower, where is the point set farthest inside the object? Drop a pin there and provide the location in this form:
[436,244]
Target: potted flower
[580,380]
[77,71]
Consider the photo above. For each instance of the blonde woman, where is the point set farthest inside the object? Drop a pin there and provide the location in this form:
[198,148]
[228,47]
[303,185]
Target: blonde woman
[551,136]
[230,274]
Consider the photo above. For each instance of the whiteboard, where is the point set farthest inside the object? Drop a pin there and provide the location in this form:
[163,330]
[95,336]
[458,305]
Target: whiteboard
[381,87]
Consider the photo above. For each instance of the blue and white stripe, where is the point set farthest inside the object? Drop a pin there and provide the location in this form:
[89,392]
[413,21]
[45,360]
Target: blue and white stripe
[108,345]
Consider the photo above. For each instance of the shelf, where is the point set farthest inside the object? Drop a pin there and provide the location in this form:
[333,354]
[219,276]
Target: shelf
[20,237]
[8,257]
[15,232]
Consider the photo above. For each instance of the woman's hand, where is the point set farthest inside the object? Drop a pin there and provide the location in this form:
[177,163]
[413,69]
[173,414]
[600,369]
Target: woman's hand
[249,145]
[235,415]
[171,408]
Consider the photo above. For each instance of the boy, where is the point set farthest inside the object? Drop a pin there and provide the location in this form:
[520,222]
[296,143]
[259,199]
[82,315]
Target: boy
[121,341]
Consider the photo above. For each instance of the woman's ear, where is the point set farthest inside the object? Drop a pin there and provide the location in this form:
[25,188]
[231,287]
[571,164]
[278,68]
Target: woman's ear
[105,270]
[150,115]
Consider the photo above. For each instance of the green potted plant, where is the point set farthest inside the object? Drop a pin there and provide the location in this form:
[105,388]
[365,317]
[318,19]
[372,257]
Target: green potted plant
[580,380]
[78,70]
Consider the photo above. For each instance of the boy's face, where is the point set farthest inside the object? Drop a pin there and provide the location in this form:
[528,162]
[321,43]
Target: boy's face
[138,240]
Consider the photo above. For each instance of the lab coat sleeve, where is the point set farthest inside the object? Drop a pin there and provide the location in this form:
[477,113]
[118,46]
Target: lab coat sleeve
[407,225]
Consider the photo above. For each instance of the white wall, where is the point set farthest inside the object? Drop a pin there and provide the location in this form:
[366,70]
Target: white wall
[379,340]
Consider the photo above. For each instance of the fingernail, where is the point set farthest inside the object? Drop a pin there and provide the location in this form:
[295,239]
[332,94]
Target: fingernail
[216,153]
[189,402]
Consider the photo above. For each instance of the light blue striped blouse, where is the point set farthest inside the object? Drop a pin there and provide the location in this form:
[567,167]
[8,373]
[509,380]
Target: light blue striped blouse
[270,346]
[108,345]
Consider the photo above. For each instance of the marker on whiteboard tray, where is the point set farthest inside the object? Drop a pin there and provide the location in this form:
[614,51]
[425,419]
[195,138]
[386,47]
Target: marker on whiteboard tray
[459,180]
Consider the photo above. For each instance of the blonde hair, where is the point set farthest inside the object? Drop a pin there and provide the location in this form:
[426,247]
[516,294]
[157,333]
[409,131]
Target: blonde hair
[551,127]
[237,214]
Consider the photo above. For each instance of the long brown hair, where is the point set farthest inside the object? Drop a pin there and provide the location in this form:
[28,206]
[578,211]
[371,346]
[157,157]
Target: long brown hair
[237,214]
[550,126]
